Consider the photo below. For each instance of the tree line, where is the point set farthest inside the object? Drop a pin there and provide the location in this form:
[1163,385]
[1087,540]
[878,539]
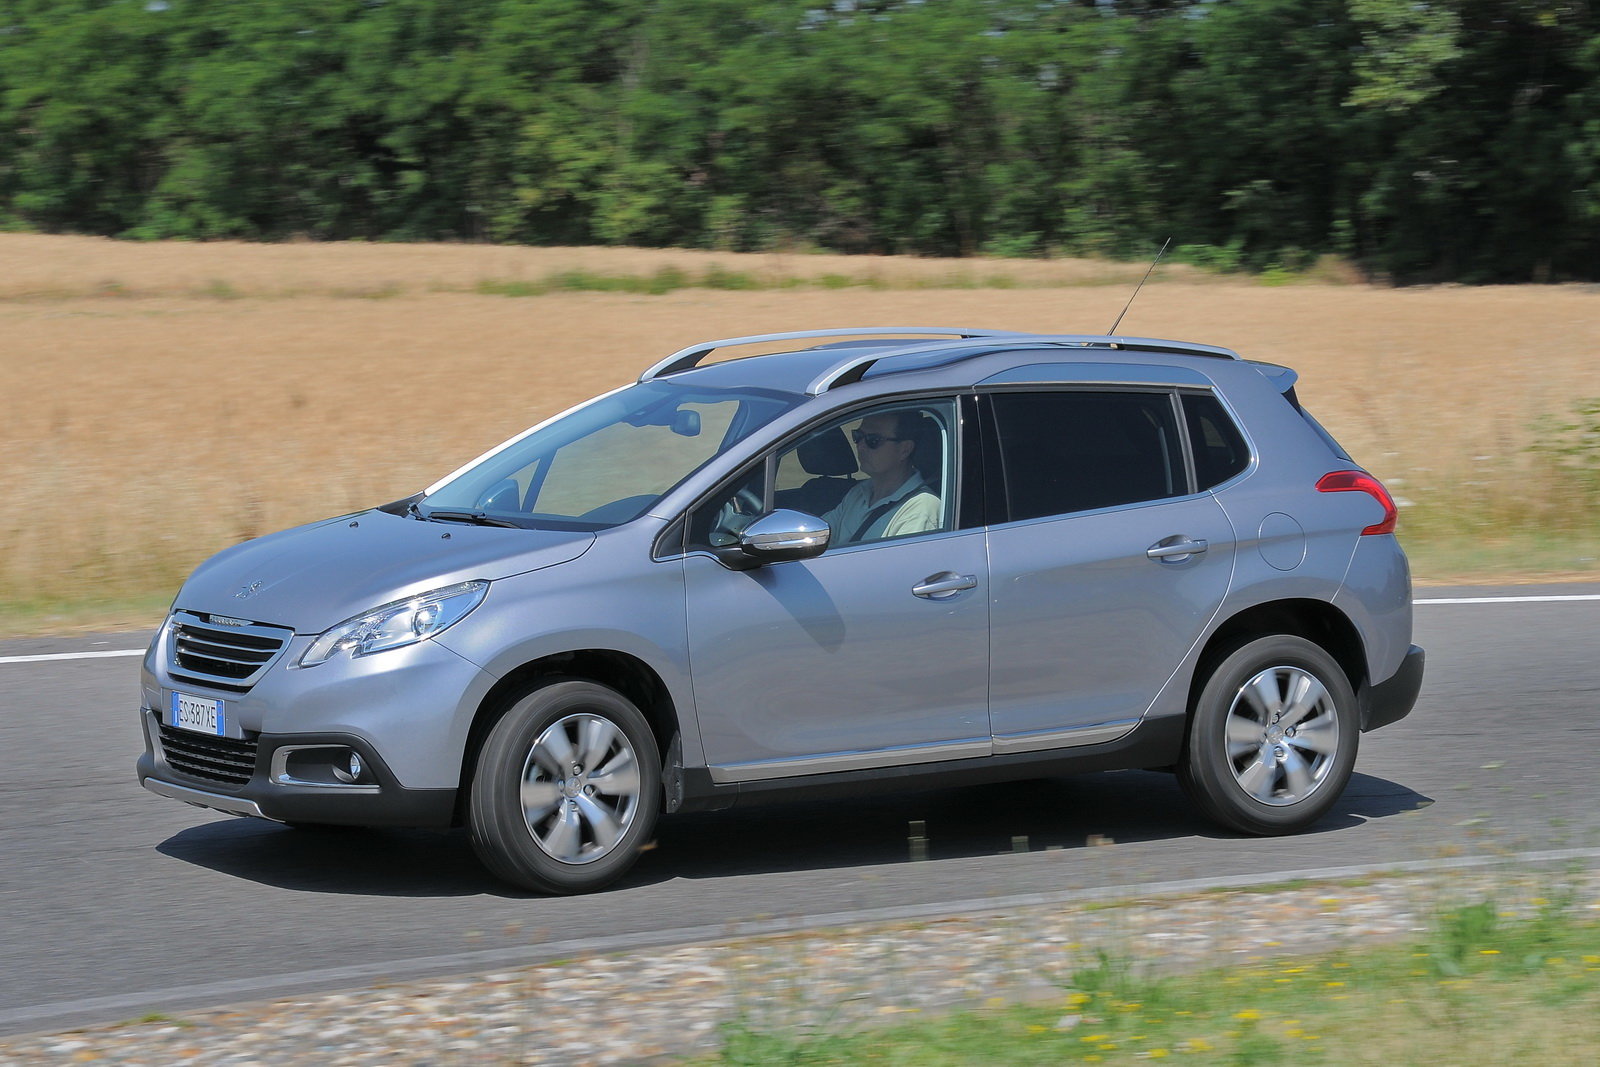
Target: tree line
[1423,140]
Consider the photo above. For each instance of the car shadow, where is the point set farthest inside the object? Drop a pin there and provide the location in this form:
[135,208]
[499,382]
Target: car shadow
[355,861]
[1058,813]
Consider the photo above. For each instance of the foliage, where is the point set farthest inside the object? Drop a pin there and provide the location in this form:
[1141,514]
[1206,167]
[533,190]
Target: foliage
[1483,990]
[1440,139]
[1568,453]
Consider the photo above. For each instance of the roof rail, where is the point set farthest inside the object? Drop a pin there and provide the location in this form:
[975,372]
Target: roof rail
[854,368]
[686,358]
[851,370]
[1147,344]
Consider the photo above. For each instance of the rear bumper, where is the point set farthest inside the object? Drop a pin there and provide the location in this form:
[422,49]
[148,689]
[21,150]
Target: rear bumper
[1392,700]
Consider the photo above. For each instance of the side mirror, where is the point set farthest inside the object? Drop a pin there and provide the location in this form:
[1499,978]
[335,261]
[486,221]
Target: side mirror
[784,535]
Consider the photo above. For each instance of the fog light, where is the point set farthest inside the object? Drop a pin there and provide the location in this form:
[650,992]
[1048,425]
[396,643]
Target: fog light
[351,772]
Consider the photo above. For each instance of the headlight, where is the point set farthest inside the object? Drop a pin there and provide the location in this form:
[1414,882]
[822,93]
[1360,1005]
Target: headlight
[403,622]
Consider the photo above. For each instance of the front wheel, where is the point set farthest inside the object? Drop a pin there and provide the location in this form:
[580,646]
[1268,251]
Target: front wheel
[1273,738]
[567,789]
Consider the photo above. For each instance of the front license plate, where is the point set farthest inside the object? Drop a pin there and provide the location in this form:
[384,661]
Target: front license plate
[199,714]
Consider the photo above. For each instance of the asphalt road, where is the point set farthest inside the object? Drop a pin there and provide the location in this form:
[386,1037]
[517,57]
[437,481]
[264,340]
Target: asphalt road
[114,901]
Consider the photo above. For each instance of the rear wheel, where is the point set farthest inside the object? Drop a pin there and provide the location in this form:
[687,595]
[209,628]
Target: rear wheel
[567,789]
[1273,739]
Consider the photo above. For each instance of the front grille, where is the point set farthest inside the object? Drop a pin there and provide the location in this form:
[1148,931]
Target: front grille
[231,657]
[210,759]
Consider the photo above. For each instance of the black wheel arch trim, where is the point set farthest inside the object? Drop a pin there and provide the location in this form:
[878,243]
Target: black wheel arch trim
[1391,700]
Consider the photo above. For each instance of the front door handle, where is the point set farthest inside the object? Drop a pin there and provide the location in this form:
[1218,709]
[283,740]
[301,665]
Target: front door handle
[1175,550]
[944,585]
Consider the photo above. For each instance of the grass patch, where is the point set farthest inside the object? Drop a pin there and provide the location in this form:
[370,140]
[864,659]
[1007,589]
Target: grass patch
[155,1017]
[655,283]
[25,618]
[672,279]
[717,277]
[1478,989]
[768,274]
[1441,557]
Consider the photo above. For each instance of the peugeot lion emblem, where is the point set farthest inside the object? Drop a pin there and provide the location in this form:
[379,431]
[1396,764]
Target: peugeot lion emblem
[249,591]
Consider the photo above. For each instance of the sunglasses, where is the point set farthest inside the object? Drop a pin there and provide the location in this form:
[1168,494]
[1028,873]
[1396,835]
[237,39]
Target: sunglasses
[871,440]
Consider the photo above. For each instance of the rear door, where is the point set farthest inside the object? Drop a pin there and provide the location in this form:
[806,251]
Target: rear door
[1105,566]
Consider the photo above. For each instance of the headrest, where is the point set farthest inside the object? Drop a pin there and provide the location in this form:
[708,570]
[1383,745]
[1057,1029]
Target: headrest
[929,454]
[828,453]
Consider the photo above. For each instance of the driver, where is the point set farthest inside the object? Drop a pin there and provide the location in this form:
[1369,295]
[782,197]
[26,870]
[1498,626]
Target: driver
[895,499]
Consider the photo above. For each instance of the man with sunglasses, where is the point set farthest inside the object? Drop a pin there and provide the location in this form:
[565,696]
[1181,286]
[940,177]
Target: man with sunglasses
[895,499]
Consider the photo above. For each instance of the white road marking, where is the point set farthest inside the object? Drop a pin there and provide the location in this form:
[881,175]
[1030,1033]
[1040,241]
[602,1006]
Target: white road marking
[72,655]
[1508,599]
[1567,598]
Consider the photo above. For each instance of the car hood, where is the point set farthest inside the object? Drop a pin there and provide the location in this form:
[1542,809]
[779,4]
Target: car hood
[315,576]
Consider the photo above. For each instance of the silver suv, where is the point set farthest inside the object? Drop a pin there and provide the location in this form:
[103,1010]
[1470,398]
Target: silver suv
[904,559]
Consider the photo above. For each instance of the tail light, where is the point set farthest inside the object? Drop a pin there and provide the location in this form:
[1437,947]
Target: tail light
[1362,482]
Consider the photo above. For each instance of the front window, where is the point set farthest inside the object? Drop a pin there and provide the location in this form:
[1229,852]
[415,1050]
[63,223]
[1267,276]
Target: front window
[885,472]
[608,462]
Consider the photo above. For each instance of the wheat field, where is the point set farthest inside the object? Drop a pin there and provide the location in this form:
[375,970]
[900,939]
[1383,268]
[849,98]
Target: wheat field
[166,400]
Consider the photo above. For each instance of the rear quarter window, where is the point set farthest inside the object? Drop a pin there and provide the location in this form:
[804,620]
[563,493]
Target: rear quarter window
[1219,448]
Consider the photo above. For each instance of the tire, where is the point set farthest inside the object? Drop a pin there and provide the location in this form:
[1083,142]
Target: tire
[1272,738]
[535,821]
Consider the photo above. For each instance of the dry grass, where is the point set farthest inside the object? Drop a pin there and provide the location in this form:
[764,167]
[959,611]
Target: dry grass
[146,432]
[38,267]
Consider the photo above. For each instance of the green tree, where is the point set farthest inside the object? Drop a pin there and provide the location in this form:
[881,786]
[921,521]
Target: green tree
[79,99]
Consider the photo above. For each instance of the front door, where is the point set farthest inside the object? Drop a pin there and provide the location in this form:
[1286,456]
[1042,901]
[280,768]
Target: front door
[874,653]
[836,663]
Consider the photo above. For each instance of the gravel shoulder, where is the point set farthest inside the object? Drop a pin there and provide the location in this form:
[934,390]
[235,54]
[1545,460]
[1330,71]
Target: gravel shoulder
[666,1003]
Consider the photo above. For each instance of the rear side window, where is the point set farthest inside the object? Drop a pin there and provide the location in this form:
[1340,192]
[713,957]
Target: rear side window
[1076,451]
[1218,446]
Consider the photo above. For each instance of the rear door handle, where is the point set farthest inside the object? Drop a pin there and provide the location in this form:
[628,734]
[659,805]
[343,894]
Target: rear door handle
[1173,550]
[944,585]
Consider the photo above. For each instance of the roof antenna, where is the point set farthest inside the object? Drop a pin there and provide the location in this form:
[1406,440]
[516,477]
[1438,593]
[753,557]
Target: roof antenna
[1113,331]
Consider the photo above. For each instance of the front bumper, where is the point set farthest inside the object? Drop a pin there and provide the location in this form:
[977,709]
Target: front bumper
[278,789]
[1392,700]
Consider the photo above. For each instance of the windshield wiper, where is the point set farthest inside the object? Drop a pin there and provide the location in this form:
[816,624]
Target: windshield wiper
[477,518]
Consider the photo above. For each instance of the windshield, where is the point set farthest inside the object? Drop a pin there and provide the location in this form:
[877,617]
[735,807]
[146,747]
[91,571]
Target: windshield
[607,462]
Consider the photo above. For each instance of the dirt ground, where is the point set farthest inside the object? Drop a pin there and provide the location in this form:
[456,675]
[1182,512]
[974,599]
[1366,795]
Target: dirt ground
[148,429]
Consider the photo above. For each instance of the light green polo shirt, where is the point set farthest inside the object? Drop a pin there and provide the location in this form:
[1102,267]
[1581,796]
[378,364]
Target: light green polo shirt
[917,513]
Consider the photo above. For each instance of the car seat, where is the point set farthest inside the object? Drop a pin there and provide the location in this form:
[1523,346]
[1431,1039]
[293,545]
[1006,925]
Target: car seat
[829,457]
